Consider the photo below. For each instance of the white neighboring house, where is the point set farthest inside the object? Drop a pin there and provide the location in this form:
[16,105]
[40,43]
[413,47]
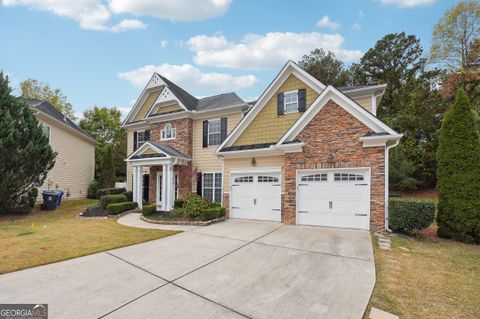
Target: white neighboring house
[75,162]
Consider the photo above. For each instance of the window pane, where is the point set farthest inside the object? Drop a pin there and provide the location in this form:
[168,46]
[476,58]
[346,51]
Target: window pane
[218,195]
[208,180]
[218,180]
[214,139]
[208,194]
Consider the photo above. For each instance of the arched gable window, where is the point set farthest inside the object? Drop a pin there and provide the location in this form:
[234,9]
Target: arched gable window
[168,132]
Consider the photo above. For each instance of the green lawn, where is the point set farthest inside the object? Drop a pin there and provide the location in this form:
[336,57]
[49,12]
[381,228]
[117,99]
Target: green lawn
[45,237]
[428,278]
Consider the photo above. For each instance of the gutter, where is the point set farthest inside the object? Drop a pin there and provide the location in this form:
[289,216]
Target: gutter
[387,149]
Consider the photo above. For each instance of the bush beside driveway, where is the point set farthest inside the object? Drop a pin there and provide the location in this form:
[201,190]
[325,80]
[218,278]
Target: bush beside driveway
[45,237]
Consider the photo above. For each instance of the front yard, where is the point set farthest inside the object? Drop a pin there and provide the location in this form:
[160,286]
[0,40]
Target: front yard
[45,237]
[428,278]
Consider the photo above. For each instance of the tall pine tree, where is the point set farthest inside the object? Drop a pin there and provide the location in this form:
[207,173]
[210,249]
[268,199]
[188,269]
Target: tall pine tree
[458,173]
[25,157]
[107,173]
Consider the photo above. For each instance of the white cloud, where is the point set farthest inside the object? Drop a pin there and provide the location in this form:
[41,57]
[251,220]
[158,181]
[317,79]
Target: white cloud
[163,43]
[189,77]
[204,42]
[357,26]
[268,51]
[128,24]
[177,10]
[90,14]
[407,3]
[326,22]
[125,110]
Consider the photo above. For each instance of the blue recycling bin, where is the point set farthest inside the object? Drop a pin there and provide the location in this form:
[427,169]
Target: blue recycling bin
[60,196]
[50,200]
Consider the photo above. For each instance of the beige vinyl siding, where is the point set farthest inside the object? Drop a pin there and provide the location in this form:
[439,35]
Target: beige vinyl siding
[205,159]
[129,151]
[366,102]
[168,109]
[244,163]
[74,165]
[268,126]
[147,105]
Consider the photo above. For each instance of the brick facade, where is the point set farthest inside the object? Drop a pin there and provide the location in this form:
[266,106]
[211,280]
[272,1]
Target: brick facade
[334,130]
[182,143]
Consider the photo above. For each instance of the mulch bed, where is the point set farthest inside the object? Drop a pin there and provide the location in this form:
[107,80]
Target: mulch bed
[170,220]
[96,212]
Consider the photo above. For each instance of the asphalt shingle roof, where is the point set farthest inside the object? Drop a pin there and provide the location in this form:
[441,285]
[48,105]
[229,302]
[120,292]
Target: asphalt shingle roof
[169,150]
[47,108]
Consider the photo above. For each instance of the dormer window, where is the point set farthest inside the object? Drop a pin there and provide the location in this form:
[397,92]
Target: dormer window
[168,132]
[291,101]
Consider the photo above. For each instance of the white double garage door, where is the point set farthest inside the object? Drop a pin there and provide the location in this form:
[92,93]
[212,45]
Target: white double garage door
[334,198]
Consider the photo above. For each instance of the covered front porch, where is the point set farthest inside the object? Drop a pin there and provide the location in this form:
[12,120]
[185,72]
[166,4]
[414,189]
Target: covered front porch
[167,169]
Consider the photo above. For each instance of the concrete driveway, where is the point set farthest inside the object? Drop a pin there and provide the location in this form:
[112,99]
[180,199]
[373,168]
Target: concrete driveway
[235,269]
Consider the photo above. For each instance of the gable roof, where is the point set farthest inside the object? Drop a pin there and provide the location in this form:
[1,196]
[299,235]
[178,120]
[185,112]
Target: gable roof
[288,69]
[51,111]
[341,99]
[187,101]
[162,151]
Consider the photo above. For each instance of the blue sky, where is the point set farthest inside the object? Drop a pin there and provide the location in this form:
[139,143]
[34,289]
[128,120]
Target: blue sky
[102,52]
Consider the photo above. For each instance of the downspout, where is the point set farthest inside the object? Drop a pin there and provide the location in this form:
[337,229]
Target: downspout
[374,102]
[387,149]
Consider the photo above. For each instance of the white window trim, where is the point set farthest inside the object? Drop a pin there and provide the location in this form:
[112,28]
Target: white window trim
[213,186]
[143,142]
[208,131]
[285,102]
[173,131]
[49,131]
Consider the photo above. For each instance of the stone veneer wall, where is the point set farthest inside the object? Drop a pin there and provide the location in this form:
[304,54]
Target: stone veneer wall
[335,130]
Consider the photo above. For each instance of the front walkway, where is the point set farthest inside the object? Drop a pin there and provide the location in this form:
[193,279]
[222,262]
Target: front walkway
[234,269]
[133,220]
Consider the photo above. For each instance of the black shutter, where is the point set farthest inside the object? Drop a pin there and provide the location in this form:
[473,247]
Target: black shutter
[280,107]
[147,135]
[223,129]
[134,141]
[205,133]
[302,100]
[199,184]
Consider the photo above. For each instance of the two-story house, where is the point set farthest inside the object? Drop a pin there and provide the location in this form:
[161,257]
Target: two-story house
[303,153]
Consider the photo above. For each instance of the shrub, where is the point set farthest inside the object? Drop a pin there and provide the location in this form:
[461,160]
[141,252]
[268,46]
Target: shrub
[148,209]
[178,203]
[194,205]
[106,200]
[458,173]
[405,214]
[92,190]
[117,208]
[110,191]
[129,195]
[178,213]
[212,213]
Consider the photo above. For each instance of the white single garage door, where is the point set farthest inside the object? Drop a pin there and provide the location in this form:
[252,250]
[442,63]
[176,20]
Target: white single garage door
[256,196]
[335,198]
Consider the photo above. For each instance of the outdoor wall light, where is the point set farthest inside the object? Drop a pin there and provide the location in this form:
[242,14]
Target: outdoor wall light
[330,158]
[253,161]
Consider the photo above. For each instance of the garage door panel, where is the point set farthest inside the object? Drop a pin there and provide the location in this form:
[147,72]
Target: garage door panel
[339,199]
[257,196]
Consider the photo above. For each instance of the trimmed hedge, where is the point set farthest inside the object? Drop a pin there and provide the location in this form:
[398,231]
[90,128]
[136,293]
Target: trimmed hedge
[212,213]
[115,209]
[405,214]
[148,209]
[106,200]
[129,195]
[110,191]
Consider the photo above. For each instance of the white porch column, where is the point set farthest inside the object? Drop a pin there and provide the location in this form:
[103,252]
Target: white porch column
[140,186]
[164,187]
[134,183]
[169,189]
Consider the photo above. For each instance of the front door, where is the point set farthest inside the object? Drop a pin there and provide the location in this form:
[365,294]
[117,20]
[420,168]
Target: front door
[146,187]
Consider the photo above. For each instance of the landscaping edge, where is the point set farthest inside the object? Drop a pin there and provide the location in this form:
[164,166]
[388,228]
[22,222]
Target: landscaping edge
[182,222]
[136,210]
